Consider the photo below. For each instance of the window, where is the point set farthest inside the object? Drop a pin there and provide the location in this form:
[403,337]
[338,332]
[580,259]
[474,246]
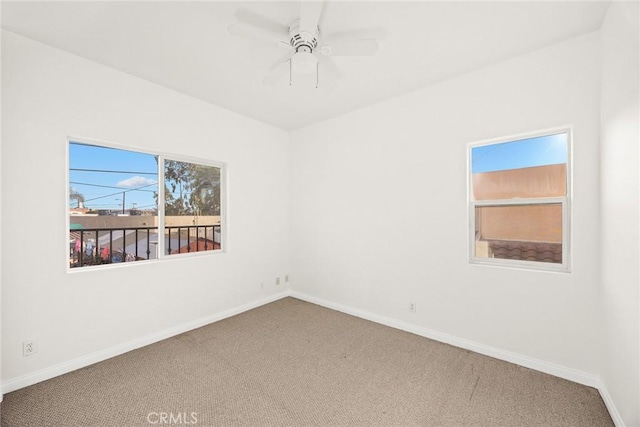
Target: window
[114,211]
[519,202]
[191,207]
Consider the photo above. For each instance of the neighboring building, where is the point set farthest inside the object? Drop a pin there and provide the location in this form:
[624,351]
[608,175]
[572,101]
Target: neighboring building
[532,233]
[78,211]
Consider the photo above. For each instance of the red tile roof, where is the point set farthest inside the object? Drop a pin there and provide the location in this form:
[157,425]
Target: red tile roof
[528,251]
[197,246]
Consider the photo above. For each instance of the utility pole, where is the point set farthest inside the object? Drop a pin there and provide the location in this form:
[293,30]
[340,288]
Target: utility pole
[123,198]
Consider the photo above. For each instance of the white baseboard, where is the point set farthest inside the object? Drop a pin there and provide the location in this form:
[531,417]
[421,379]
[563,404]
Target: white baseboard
[81,362]
[554,369]
[611,407]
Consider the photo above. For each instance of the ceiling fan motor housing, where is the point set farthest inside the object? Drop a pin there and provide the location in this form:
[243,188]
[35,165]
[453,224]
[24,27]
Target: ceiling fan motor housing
[302,41]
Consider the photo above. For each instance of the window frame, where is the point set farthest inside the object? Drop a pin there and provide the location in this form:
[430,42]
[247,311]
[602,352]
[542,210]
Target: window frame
[564,201]
[161,156]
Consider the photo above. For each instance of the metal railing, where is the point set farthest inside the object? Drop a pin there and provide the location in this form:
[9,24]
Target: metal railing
[95,246]
[196,243]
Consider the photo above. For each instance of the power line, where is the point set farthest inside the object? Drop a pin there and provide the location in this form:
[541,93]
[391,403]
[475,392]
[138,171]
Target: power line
[104,204]
[118,193]
[112,171]
[108,186]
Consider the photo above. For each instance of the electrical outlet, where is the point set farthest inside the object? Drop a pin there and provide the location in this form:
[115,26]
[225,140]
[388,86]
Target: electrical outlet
[286,278]
[277,281]
[412,307]
[29,348]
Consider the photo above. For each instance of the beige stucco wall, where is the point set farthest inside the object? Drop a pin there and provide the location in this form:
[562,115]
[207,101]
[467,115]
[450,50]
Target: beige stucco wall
[537,223]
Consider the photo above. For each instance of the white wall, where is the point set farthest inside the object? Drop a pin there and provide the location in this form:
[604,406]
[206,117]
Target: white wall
[380,208]
[619,209]
[49,95]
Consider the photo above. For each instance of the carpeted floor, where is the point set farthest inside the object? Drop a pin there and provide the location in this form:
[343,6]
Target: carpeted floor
[291,363]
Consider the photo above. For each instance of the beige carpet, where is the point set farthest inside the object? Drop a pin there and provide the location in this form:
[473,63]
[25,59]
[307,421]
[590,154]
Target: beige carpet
[292,363]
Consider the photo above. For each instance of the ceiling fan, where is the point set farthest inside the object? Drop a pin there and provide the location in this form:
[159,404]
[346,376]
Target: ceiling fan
[309,51]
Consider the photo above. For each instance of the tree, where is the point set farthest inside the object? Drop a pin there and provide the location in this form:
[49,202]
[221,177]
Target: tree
[178,177]
[77,196]
[191,189]
[206,195]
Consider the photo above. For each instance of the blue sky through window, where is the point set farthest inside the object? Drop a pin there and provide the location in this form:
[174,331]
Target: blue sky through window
[102,186]
[524,153]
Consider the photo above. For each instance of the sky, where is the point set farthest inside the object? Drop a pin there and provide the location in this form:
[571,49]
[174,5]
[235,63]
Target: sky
[138,177]
[543,150]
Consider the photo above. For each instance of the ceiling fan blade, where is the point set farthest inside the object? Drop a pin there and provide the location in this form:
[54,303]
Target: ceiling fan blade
[358,47]
[279,70]
[250,32]
[310,12]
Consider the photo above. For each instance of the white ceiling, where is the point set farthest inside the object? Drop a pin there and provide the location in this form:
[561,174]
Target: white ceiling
[185,46]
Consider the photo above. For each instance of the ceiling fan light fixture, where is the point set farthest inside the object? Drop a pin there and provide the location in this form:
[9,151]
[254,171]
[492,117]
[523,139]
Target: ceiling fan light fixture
[304,63]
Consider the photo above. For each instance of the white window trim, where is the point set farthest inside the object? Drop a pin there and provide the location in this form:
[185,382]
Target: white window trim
[565,266]
[162,256]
